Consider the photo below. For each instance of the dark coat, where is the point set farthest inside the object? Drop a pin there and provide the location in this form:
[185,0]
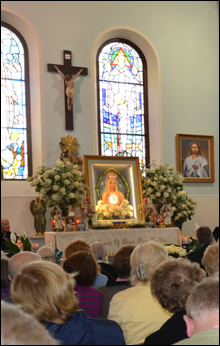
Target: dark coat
[172,331]
[82,330]
[197,255]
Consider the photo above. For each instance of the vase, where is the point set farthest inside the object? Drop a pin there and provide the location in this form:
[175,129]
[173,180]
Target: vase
[90,223]
[81,226]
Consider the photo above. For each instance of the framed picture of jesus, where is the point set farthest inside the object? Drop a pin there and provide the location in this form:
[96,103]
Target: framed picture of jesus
[114,187]
[195,158]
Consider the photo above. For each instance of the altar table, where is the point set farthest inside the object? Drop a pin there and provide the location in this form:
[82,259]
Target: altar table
[114,239]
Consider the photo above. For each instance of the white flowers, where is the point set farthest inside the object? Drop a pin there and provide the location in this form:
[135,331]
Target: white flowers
[60,186]
[13,237]
[107,211]
[72,195]
[55,187]
[175,251]
[162,185]
[55,197]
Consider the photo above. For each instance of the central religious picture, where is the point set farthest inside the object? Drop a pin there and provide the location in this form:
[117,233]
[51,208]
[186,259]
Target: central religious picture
[114,187]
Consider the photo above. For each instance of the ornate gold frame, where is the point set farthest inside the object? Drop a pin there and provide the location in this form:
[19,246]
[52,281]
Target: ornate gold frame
[95,165]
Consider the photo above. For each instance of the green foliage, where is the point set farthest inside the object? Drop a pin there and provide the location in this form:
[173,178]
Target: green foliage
[13,248]
[26,243]
[194,244]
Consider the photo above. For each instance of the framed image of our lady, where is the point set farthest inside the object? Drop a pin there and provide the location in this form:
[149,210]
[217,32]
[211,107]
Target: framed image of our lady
[113,182]
[112,187]
[195,157]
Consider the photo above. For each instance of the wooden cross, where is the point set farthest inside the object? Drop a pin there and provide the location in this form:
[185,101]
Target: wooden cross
[66,68]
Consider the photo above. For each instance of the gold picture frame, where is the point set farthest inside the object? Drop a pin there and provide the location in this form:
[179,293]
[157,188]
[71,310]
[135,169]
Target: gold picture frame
[128,173]
[159,221]
[69,226]
[200,168]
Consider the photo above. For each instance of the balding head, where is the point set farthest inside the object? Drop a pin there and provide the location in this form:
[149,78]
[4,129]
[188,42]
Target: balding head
[18,261]
[5,226]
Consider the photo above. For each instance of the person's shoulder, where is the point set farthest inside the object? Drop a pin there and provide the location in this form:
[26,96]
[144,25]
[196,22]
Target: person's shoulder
[107,332]
[206,337]
[100,280]
[125,294]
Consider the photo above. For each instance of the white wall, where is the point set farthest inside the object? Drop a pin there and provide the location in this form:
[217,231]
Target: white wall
[185,37]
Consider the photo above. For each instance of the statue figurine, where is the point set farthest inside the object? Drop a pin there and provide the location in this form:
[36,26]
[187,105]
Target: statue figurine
[56,215]
[69,81]
[38,210]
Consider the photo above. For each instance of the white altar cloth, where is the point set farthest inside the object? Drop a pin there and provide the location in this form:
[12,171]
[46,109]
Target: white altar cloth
[114,239]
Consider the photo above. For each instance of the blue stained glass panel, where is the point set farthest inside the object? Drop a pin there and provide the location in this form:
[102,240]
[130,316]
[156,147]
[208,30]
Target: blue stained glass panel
[121,90]
[14,149]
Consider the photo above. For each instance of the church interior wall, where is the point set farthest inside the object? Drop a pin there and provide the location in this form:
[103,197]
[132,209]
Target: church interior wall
[185,38]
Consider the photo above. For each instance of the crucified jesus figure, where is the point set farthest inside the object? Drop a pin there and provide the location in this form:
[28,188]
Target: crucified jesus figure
[69,81]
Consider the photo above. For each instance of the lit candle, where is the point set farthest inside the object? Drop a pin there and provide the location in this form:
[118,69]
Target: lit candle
[19,244]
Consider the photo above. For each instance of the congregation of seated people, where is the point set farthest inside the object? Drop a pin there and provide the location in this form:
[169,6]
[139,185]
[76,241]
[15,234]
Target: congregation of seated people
[142,298]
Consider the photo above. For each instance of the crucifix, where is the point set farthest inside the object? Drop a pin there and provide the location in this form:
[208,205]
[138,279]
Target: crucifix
[63,70]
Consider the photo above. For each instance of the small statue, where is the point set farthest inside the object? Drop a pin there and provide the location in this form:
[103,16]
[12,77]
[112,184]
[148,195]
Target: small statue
[56,215]
[69,81]
[167,212]
[69,151]
[38,209]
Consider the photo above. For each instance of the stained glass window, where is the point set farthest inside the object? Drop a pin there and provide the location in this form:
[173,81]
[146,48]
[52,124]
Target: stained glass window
[14,124]
[122,101]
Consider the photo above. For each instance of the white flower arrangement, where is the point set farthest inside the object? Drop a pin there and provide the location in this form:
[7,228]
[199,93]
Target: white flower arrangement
[162,185]
[175,251]
[107,211]
[135,224]
[102,225]
[62,186]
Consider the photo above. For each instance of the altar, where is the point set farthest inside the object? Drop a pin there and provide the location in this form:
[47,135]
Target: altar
[114,239]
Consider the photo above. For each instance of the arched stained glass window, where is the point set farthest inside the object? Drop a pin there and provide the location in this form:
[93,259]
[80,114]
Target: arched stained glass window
[15,110]
[122,100]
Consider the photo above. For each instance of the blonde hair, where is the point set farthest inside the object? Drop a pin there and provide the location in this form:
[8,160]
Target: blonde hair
[47,253]
[147,256]
[210,259]
[99,250]
[19,328]
[46,291]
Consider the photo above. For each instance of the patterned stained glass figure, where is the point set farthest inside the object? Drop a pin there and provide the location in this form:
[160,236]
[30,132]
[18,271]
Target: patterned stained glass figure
[13,107]
[121,101]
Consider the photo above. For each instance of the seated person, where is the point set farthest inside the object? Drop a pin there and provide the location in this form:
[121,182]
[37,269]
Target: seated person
[121,262]
[17,262]
[13,322]
[202,314]
[47,253]
[49,297]
[100,253]
[81,245]
[85,266]
[205,238]
[5,232]
[171,284]
[210,259]
[134,309]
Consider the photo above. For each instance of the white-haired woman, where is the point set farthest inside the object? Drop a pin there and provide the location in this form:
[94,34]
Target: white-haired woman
[135,309]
